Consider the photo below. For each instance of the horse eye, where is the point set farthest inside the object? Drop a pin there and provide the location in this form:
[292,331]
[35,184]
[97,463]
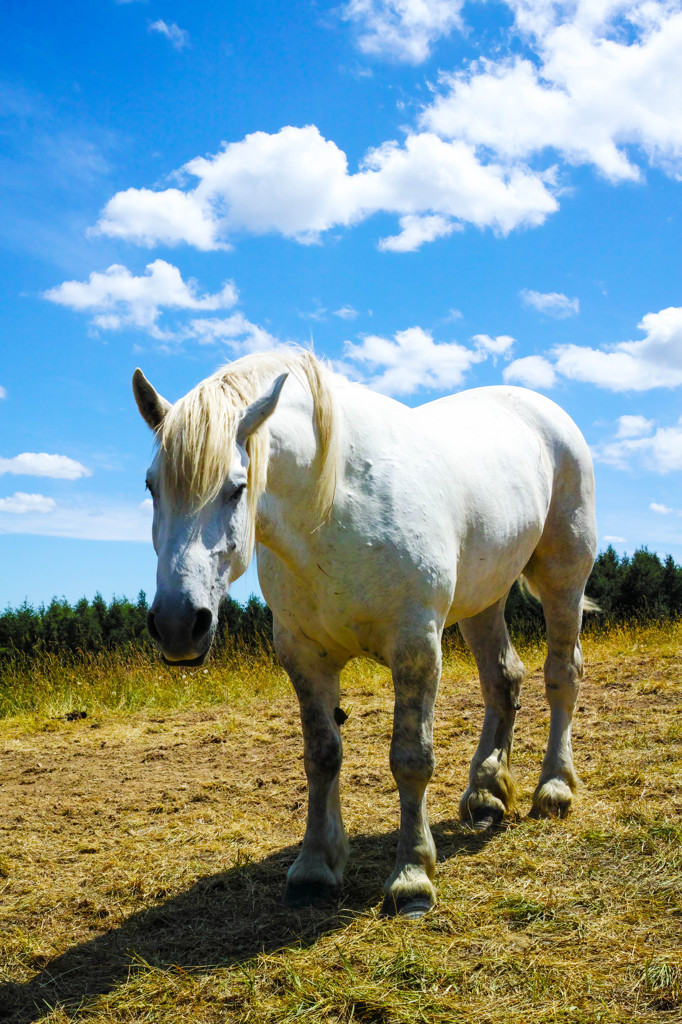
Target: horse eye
[236,495]
[149,487]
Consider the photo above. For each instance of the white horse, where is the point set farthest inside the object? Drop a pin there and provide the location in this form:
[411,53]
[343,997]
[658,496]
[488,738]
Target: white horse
[376,526]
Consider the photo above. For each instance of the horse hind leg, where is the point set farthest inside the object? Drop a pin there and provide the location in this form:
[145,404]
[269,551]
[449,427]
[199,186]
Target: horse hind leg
[562,606]
[416,665]
[491,786]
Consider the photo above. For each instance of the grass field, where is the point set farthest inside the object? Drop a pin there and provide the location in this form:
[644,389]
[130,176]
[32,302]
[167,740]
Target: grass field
[143,850]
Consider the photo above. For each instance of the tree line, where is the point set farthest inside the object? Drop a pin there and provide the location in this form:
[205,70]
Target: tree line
[91,626]
[636,588]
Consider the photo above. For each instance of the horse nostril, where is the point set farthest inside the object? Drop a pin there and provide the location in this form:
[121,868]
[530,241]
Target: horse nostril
[202,623]
[151,627]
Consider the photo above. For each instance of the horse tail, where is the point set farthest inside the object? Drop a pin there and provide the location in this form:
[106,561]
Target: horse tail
[527,588]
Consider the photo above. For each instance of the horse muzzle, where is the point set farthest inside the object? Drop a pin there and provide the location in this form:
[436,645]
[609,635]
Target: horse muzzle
[185,638]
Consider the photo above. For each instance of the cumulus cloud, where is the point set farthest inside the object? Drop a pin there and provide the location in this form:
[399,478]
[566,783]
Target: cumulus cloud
[402,29]
[634,426]
[660,452]
[409,361]
[160,218]
[653,362]
[120,299]
[297,183]
[415,231]
[532,372]
[595,83]
[176,36]
[662,510]
[554,304]
[21,503]
[239,334]
[59,467]
[603,78]
[499,346]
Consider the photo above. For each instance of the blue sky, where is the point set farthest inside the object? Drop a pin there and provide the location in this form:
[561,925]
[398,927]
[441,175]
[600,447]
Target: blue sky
[440,194]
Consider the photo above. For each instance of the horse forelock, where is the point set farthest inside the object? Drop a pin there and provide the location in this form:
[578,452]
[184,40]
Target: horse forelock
[198,434]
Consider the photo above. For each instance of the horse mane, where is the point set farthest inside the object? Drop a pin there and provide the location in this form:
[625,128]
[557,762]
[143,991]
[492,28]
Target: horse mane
[198,433]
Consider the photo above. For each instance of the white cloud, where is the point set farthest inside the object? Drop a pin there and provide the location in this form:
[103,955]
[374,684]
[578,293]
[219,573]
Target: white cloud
[415,231]
[653,362]
[411,360]
[604,77]
[532,372]
[238,333]
[428,175]
[612,539]
[293,182]
[3,392]
[21,503]
[59,467]
[120,299]
[166,218]
[297,184]
[499,346]
[634,426]
[346,313]
[662,510]
[403,29]
[176,36]
[554,304]
[661,452]
[598,84]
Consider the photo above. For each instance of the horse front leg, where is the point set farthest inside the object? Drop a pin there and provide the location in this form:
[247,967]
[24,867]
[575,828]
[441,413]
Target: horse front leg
[316,873]
[416,666]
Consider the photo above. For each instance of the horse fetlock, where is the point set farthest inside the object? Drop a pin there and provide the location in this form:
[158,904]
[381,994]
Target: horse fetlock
[309,893]
[315,876]
[481,805]
[553,798]
[491,783]
[409,891]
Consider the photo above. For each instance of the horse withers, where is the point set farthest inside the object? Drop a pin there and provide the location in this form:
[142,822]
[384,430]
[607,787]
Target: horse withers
[375,526]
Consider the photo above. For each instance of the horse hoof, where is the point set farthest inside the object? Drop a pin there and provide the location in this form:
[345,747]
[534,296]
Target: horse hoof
[410,907]
[485,818]
[309,894]
[559,809]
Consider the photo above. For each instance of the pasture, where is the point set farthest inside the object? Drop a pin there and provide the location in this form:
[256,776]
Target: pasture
[143,850]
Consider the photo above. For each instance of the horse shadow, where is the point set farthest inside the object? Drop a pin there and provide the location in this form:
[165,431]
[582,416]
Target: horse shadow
[223,919]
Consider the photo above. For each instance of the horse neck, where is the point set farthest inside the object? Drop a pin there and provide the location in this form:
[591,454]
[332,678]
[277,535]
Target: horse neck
[290,498]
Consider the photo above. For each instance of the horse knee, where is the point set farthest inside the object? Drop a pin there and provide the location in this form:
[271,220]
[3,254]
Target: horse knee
[323,755]
[412,769]
[562,679]
[501,682]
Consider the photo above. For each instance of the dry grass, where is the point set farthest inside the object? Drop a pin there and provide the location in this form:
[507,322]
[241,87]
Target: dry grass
[143,853]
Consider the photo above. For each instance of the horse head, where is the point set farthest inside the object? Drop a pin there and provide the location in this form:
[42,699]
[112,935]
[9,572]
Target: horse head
[203,529]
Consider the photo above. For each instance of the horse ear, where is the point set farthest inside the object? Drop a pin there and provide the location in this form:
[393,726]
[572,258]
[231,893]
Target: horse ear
[259,410]
[152,406]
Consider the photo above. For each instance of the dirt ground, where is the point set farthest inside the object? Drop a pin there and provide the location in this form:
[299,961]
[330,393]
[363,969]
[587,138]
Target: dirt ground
[146,845]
